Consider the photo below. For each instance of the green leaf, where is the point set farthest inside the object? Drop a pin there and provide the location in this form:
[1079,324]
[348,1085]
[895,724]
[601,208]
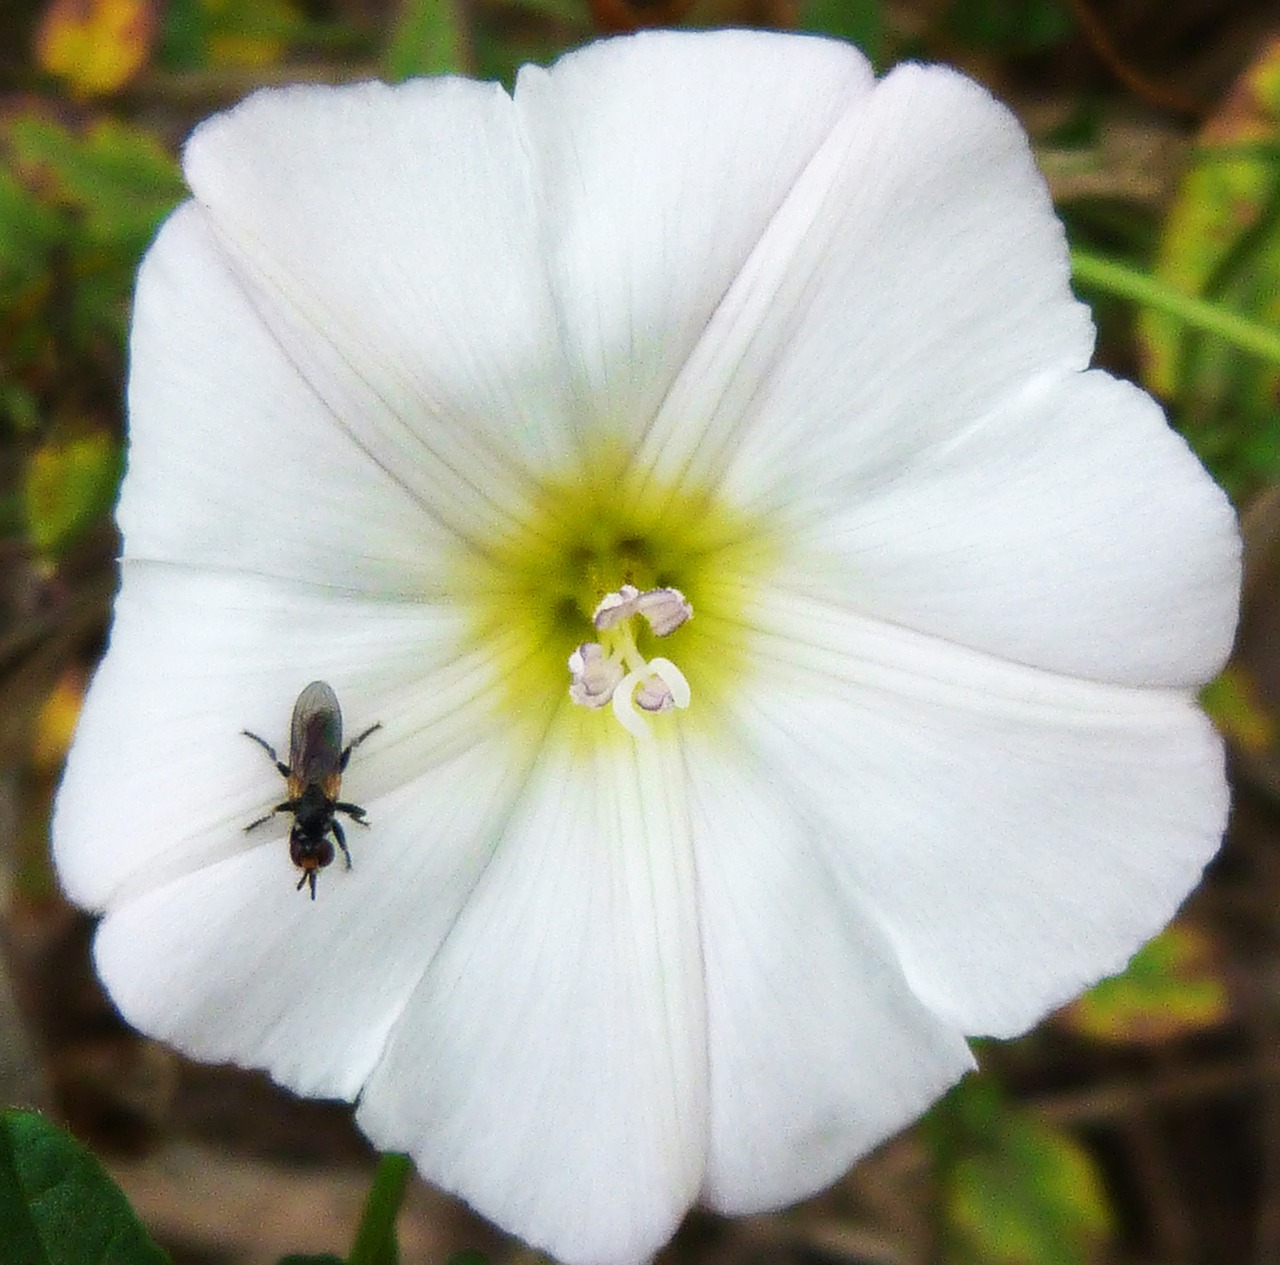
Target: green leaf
[469,1257]
[323,1258]
[1015,1190]
[28,232]
[251,32]
[68,485]
[1236,706]
[1171,988]
[1009,26]
[18,407]
[430,37]
[57,1204]
[1221,241]
[184,36]
[106,188]
[861,22]
[119,180]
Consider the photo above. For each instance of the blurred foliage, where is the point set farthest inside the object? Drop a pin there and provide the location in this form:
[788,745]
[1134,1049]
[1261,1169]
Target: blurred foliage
[79,201]
[1221,241]
[1172,988]
[96,46]
[861,22]
[1013,1189]
[201,33]
[56,722]
[70,482]
[1235,702]
[1009,26]
[88,136]
[57,1204]
[429,37]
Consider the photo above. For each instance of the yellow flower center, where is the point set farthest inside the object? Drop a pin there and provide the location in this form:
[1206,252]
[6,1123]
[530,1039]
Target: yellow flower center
[534,592]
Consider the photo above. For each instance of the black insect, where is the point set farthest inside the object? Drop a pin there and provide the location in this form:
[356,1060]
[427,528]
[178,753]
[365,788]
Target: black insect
[314,778]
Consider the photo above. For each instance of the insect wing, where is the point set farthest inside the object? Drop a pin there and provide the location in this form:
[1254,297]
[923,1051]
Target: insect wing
[315,739]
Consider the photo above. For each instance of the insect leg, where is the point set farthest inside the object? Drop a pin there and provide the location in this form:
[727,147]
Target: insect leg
[342,841]
[354,743]
[270,750]
[354,811]
[289,806]
[307,876]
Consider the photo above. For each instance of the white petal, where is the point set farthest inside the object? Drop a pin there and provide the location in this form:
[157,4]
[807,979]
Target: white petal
[160,781]
[1071,530]
[551,1066]
[1017,834]
[660,160]
[388,238]
[914,276]
[234,462]
[818,1048]
[230,962]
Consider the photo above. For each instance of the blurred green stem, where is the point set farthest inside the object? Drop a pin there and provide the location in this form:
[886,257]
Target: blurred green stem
[1129,283]
[375,1242]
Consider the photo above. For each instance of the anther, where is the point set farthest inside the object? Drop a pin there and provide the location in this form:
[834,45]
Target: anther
[593,675]
[613,670]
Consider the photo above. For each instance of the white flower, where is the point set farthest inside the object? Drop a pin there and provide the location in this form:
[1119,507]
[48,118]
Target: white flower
[422,377]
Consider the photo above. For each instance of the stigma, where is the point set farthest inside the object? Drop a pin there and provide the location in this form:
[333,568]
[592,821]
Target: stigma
[612,670]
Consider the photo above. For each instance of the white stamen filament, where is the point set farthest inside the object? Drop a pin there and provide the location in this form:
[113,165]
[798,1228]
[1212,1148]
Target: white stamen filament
[674,679]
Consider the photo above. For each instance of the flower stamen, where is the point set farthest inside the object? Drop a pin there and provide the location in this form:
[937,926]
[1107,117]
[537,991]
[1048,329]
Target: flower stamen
[594,675]
[614,670]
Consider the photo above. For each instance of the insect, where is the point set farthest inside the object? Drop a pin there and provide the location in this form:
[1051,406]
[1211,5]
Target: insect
[313,775]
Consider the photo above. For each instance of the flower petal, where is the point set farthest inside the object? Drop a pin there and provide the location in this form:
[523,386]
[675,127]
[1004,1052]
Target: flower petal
[818,1049]
[622,974]
[1016,833]
[216,404]
[194,659]
[551,1066]
[230,962]
[913,278]
[1071,530]
[387,237]
[660,159]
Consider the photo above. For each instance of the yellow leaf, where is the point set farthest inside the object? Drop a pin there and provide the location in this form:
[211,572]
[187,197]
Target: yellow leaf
[97,46]
[56,722]
[1234,702]
[250,32]
[69,483]
[1171,988]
